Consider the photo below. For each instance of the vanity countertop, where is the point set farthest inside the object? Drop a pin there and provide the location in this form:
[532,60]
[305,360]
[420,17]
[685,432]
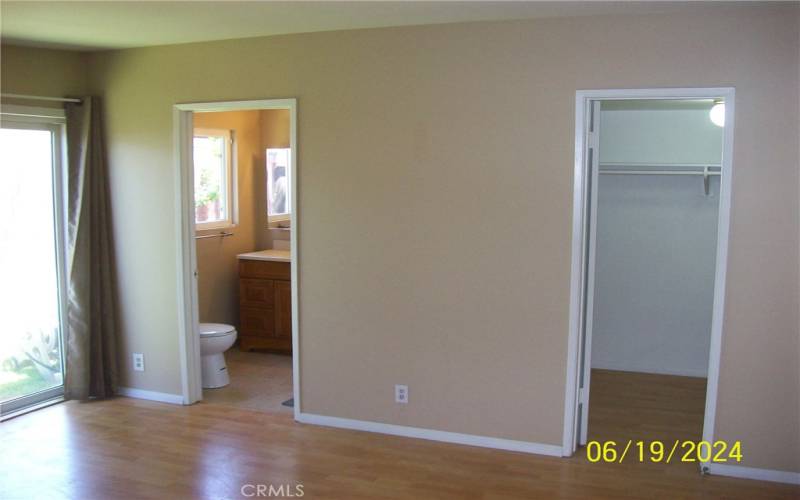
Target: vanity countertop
[273,255]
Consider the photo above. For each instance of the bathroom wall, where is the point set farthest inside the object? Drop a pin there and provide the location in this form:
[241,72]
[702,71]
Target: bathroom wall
[275,133]
[217,280]
[656,241]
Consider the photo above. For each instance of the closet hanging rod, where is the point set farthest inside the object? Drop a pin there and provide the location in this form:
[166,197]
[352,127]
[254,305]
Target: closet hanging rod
[661,165]
[704,171]
[659,172]
[40,98]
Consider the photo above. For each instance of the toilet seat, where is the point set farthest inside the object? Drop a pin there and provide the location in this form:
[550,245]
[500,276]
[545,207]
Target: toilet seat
[215,330]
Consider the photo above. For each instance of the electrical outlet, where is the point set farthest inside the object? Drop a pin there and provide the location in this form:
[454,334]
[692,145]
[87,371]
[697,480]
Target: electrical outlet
[138,362]
[401,394]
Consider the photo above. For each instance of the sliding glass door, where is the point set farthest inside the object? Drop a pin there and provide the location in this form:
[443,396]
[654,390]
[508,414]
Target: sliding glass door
[31,260]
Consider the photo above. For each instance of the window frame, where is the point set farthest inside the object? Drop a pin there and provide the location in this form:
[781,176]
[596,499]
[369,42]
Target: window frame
[288,215]
[54,121]
[230,189]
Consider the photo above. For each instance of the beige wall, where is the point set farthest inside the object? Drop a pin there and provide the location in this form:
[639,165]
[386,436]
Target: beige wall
[435,180]
[275,132]
[53,73]
[218,281]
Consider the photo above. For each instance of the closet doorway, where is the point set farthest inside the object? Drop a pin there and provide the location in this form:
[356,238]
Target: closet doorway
[650,237]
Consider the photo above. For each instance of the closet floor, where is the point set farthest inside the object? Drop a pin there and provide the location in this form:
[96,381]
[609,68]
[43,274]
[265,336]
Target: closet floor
[645,406]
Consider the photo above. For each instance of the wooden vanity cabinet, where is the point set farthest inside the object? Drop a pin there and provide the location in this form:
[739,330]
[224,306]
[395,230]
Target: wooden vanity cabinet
[265,305]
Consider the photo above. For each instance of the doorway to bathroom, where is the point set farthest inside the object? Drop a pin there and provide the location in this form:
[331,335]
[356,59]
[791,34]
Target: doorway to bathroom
[237,253]
[650,238]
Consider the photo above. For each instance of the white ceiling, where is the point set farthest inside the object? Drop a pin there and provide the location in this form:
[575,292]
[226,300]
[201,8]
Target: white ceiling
[124,24]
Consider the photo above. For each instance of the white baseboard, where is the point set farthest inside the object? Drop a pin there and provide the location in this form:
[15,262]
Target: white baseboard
[162,397]
[777,476]
[433,435]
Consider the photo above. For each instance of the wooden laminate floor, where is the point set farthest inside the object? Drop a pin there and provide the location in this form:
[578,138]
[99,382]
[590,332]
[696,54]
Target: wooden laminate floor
[644,406]
[130,449]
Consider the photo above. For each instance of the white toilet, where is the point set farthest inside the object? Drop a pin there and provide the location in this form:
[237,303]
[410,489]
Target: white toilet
[215,339]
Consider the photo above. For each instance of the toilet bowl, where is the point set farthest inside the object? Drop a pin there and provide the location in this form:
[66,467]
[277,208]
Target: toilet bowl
[215,339]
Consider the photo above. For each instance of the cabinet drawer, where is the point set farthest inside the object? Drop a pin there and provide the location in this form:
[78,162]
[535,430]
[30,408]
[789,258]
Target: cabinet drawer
[256,322]
[264,269]
[256,293]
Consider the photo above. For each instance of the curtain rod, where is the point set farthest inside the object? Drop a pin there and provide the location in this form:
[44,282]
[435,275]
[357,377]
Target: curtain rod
[40,98]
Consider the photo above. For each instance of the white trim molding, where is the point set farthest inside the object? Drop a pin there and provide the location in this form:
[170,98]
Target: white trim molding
[39,114]
[431,435]
[580,212]
[231,189]
[161,397]
[740,471]
[189,346]
[210,107]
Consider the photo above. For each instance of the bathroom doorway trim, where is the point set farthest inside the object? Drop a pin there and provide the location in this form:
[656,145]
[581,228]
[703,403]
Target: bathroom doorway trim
[188,313]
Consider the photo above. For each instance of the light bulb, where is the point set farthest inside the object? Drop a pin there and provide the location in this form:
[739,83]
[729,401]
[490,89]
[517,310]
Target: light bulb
[717,114]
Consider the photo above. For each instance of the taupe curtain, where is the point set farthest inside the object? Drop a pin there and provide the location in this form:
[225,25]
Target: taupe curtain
[90,337]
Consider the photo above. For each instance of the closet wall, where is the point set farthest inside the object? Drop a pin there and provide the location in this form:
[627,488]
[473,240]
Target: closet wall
[656,241]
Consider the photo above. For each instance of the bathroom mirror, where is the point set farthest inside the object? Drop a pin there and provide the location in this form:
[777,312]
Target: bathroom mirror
[278,184]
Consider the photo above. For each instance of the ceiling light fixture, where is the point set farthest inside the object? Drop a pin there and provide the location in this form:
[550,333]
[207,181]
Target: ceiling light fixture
[717,114]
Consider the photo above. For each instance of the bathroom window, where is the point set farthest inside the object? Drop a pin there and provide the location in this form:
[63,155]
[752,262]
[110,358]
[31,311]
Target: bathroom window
[213,179]
[279,192]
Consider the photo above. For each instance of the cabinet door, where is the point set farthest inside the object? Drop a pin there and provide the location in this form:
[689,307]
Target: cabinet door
[256,322]
[256,293]
[283,309]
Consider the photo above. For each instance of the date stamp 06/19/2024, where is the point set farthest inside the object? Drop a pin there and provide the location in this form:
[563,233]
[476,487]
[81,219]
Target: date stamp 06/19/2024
[664,452]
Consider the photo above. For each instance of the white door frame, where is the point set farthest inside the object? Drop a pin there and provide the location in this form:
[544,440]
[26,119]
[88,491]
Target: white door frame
[587,290]
[188,316]
[580,211]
